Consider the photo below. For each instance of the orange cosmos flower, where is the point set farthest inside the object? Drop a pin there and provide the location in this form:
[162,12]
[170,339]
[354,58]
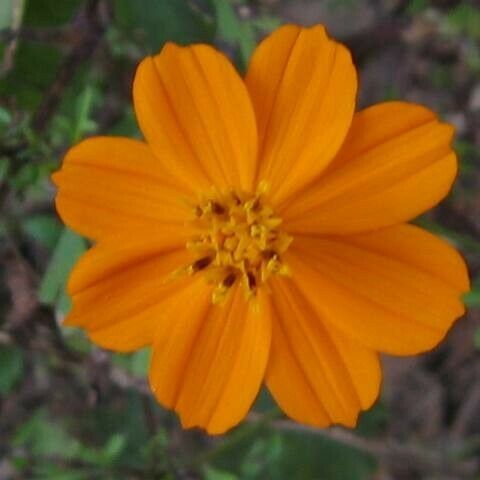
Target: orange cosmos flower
[258,234]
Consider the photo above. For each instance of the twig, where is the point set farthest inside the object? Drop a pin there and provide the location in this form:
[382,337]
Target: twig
[11,47]
[468,410]
[90,25]
[21,281]
[391,452]
[121,379]
[364,43]
[60,35]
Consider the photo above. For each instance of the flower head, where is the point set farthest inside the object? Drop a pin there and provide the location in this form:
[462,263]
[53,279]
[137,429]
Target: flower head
[259,233]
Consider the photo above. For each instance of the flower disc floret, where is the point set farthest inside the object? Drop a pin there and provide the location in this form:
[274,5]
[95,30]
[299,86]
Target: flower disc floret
[239,240]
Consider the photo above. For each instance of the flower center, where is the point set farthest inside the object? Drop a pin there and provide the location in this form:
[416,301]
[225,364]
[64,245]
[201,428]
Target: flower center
[239,241]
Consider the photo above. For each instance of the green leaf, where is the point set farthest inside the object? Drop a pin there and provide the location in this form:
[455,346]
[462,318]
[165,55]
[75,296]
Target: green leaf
[33,73]
[246,42]
[472,298]
[228,24]
[6,13]
[4,167]
[11,12]
[42,437]
[263,455]
[57,472]
[68,249]
[127,126]
[11,368]
[211,473]
[473,57]
[264,402]
[113,448]
[64,304]
[140,362]
[441,77]
[416,6]
[44,13]
[231,29]
[159,21]
[466,19]
[374,421]
[83,124]
[26,176]
[45,229]
[290,456]
[476,339]
[309,456]
[135,363]
[5,117]
[266,23]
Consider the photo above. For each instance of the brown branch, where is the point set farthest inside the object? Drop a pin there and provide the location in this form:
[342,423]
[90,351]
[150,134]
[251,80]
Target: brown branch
[393,453]
[12,43]
[469,410]
[58,35]
[88,29]
[364,43]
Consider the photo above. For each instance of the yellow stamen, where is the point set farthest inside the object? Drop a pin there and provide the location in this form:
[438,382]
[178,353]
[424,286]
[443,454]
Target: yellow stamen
[239,240]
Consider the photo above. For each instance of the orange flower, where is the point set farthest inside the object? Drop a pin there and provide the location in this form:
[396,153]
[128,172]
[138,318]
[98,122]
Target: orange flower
[259,233]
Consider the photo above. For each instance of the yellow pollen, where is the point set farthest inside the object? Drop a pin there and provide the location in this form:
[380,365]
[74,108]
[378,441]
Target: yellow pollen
[239,241]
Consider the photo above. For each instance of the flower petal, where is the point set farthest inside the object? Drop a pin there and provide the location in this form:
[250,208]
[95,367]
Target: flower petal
[195,113]
[317,374]
[208,364]
[397,290]
[108,185]
[120,288]
[396,163]
[303,87]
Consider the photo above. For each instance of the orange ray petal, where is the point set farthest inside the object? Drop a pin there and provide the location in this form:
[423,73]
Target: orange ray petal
[397,290]
[108,185]
[120,288]
[317,374]
[303,87]
[209,363]
[195,112]
[396,163]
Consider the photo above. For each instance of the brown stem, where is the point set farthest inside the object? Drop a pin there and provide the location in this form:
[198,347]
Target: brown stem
[390,452]
[88,27]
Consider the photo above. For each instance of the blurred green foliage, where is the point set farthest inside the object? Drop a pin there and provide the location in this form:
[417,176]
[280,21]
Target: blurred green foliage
[159,21]
[11,368]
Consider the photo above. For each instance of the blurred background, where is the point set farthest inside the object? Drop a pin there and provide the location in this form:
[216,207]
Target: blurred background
[69,411]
